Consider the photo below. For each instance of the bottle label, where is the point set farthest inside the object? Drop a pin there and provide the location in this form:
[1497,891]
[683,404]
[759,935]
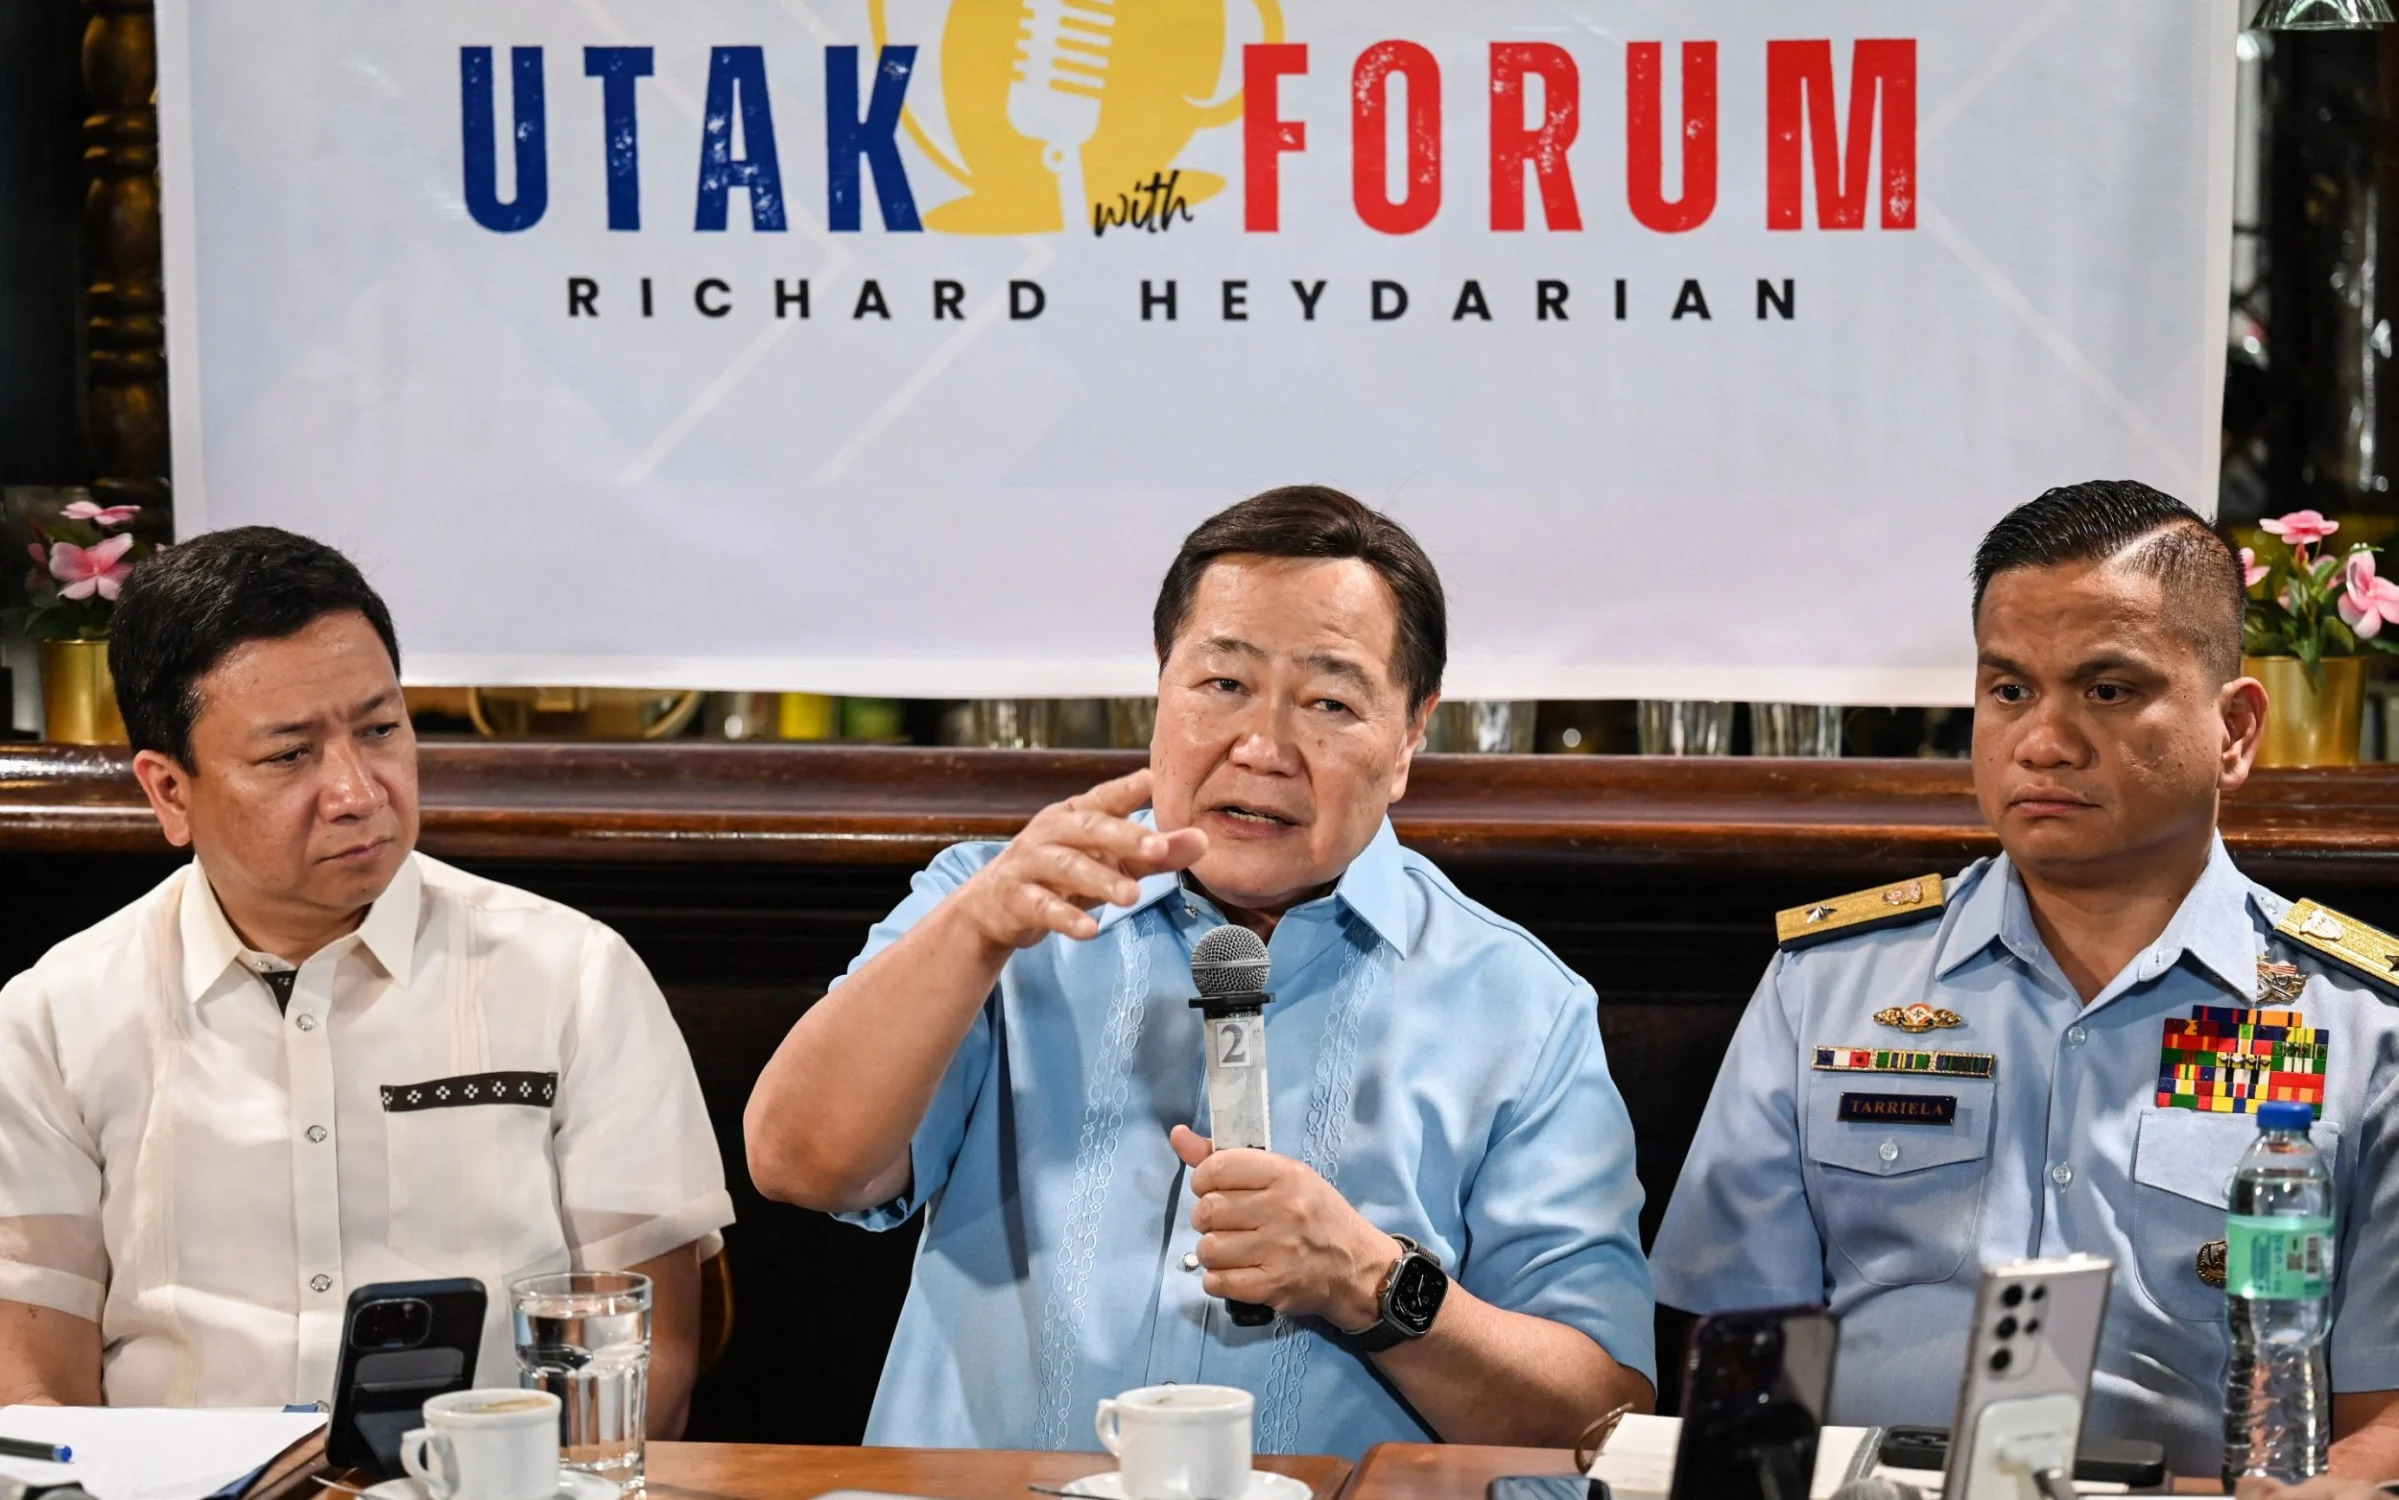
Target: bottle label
[2277,1258]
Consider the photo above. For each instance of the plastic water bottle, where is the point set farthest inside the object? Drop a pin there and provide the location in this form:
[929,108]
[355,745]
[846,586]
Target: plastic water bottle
[2278,1277]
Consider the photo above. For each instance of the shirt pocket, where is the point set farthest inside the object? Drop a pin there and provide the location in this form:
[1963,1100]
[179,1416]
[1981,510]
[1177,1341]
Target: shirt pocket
[1899,1202]
[2182,1166]
[471,1185]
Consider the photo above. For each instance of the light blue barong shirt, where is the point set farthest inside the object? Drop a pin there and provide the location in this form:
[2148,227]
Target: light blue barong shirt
[1435,1063]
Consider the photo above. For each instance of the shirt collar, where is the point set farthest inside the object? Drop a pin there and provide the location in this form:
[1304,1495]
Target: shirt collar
[210,945]
[2212,924]
[1374,887]
[390,930]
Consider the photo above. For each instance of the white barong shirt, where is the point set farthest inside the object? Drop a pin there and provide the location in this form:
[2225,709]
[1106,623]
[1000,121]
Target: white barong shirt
[476,1082]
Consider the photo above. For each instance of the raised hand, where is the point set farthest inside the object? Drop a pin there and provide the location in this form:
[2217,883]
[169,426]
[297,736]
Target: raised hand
[1075,855]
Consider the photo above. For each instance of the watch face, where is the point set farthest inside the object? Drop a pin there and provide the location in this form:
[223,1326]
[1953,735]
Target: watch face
[1416,1295]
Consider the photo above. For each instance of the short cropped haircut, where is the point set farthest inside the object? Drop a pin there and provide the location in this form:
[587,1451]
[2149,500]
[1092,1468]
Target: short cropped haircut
[183,611]
[1310,520]
[2152,532]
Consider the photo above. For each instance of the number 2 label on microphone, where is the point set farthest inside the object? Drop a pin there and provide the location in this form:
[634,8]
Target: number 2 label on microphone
[1233,1048]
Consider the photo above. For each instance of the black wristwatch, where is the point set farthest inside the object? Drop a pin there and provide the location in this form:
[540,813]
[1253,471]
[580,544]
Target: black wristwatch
[1410,1296]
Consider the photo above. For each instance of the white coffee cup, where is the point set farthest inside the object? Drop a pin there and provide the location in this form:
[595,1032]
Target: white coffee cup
[499,1444]
[1180,1442]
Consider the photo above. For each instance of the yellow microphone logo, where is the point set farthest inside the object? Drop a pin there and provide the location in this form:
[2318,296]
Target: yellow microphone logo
[1054,109]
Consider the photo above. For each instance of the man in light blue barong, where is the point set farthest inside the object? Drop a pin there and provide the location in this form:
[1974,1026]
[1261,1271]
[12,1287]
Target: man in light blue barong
[1446,1228]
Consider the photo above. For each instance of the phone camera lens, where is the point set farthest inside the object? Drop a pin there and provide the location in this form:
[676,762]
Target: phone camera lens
[2032,1326]
[2039,1292]
[2012,1296]
[2006,1328]
[2000,1360]
[396,1323]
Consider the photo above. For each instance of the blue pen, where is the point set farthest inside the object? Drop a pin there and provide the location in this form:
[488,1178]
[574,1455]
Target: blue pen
[57,1453]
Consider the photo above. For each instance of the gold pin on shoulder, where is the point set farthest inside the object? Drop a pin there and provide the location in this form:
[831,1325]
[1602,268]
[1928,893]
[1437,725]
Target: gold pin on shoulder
[2368,952]
[1860,911]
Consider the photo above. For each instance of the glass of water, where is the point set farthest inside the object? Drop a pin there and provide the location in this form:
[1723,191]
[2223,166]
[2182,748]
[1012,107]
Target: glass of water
[584,1336]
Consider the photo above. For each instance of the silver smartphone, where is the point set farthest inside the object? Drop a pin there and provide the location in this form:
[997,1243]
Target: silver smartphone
[2028,1378]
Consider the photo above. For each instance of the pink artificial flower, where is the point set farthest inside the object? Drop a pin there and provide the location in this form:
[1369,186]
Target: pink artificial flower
[40,558]
[91,570]
[2252,573]
[2301,529]
[108,518]
[2366,601]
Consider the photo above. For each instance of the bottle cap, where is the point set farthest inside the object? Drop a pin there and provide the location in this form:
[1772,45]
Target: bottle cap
[2286,1114]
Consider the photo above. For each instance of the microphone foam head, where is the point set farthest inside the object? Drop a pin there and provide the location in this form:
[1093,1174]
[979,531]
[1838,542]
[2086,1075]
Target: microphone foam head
[1229,960]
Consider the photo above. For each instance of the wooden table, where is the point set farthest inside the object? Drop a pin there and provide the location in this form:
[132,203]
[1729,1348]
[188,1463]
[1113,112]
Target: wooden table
[1459,1471]
[1446,1471]
[758,1471]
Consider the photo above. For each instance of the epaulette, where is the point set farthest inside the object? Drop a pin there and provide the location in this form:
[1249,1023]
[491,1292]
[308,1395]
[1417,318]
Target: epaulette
[1861,911]
[2368,952]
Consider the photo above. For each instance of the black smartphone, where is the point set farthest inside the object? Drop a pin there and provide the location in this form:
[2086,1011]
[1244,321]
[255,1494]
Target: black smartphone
[403,1342]
[2131,1462]
[1755,1388]
[1547,1487]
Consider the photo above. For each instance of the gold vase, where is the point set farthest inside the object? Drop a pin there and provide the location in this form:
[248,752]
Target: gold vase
[79,697]
[2310,724]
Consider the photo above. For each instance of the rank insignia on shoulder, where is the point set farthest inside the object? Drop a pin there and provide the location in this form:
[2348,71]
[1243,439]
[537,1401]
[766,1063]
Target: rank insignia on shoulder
[2368,952]
[1863,911]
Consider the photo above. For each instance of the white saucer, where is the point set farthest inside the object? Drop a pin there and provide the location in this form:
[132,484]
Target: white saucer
[1262,1486]
[573,1484]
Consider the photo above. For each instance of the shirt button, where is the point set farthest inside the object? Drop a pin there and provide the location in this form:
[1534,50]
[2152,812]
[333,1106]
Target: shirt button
[1888,1151]
[305,1022]
[316,1133]
[2061,1174]
[1191,1260]
[320,1282]
[2076,1036]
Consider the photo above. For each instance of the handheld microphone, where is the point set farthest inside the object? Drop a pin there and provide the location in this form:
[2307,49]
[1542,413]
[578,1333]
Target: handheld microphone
[1062,52]
[1229,968]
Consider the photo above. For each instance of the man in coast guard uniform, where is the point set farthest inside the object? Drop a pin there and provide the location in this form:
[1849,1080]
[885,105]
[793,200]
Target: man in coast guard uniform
[2059,1049]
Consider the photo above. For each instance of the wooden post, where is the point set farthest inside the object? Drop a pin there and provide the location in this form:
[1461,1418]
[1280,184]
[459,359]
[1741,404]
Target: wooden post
[121,239]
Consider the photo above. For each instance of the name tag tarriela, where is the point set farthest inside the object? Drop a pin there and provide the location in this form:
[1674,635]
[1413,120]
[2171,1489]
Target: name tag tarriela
[1900,1109]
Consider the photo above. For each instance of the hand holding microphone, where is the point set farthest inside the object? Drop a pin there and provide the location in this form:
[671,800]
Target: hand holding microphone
[1274,1235]
[1075,855]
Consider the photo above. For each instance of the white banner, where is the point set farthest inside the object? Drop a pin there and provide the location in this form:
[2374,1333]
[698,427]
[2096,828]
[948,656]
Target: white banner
[889,346]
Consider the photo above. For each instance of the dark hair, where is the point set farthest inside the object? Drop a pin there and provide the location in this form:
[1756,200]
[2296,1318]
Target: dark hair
[2152,531]
[181,612]
[1310,520]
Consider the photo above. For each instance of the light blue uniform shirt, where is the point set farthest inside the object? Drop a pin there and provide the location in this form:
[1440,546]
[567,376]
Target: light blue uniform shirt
[2064,1148]
[1434,1063]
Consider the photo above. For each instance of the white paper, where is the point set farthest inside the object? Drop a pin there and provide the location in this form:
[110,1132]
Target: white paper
[1639,1462]
[152,1453]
